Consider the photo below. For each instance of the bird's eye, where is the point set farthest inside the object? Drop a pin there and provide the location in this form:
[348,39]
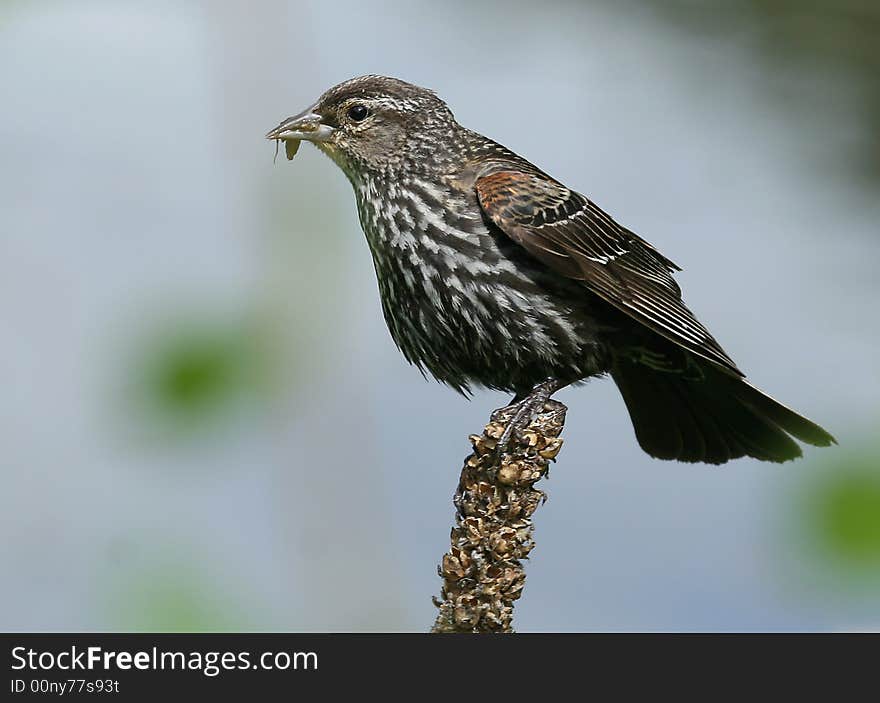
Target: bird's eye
[358,112]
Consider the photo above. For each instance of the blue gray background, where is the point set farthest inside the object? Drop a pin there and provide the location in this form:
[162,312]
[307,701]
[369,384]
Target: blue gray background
[205,424]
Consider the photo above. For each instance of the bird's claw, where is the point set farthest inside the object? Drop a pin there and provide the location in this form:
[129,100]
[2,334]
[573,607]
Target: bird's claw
[522,417]
[524,413]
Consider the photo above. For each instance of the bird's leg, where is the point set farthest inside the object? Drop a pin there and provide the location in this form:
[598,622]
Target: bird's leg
[525,409]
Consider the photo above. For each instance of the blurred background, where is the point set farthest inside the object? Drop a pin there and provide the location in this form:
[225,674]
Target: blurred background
[205,424]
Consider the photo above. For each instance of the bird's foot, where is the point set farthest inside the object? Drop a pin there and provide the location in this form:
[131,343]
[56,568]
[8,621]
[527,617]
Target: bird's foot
[521,413]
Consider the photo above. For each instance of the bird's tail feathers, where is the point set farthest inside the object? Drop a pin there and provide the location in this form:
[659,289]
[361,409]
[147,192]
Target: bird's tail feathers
[713,419]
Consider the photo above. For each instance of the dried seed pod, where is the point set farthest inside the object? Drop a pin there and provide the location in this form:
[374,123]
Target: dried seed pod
[531,438]
[466,618]
[494,430]
[508,474]
[552,448]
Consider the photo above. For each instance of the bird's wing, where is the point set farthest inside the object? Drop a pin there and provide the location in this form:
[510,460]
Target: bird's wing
[572,236]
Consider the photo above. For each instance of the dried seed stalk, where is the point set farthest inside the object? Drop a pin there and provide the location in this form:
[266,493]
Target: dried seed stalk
[496,496]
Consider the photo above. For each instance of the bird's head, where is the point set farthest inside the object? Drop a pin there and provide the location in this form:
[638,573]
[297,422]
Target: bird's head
[371,124]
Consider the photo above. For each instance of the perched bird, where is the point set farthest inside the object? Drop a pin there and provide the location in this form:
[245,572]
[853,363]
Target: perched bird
[492,273]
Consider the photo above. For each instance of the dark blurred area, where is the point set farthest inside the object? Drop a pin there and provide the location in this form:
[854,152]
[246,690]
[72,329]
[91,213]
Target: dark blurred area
[205,423]
[802,45]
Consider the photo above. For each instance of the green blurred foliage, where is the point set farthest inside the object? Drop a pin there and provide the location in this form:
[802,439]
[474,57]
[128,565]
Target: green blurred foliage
[188,375]
[842,513]
[195,373]
[174,597]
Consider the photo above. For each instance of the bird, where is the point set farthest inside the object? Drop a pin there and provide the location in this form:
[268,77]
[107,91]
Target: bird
[492,274]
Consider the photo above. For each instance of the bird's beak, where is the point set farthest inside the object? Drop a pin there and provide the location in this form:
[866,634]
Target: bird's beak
[307,125]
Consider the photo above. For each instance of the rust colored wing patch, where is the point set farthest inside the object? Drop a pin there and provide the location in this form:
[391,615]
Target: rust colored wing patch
[570,234]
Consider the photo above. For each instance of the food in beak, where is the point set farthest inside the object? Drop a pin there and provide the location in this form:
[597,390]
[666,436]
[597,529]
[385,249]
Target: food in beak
[291,146]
